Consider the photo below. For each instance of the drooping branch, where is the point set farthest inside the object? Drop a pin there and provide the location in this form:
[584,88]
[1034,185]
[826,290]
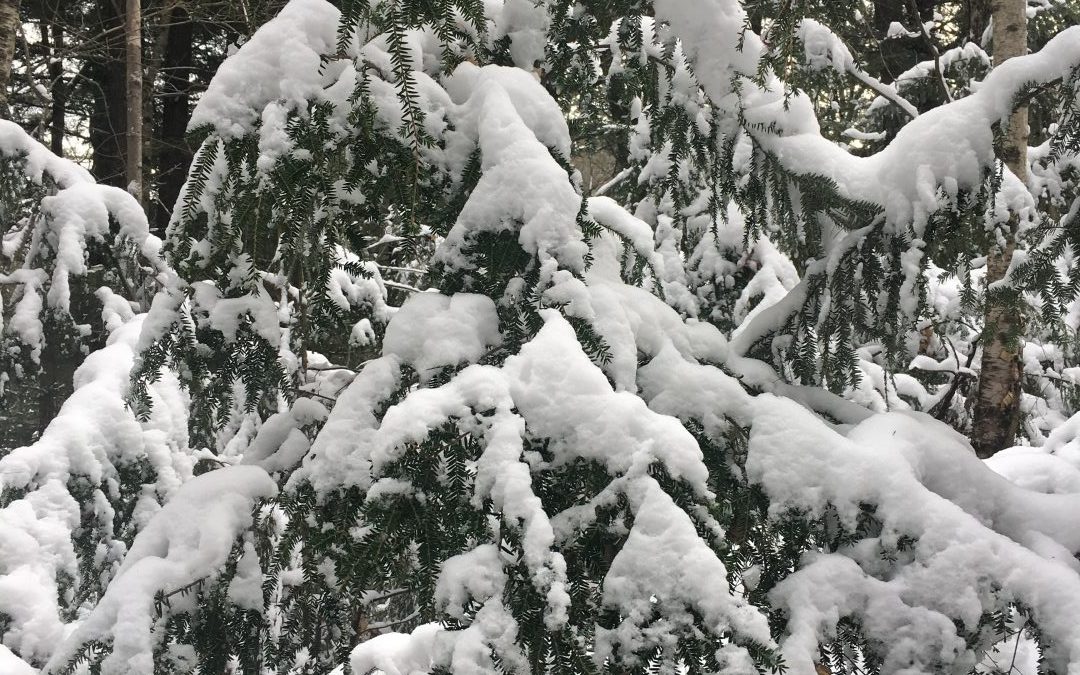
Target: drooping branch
[955,140]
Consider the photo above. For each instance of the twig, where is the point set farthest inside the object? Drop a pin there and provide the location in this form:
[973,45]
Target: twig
[402,287]
[933,50]
[615,180]
[305,392]
[887,92]
[1016,647]
[391,624]
[403,270]
[318,369]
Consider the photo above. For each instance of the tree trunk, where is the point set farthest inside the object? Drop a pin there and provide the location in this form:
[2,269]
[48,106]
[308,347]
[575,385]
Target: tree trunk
[133,157]
[108,120]
[173,154]
[976,19]
[997,406]
[52,39]
[9,30]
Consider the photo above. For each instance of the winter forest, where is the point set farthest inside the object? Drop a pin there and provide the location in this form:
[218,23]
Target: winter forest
[590,337]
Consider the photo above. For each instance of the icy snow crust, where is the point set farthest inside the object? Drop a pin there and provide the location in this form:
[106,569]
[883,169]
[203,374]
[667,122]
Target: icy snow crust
[967,522]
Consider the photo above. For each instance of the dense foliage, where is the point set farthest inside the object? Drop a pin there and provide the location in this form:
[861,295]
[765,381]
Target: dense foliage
[558,337]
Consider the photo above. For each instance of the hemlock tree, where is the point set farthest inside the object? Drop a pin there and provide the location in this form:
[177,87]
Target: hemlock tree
[863,353]
[406,400]
[73,501]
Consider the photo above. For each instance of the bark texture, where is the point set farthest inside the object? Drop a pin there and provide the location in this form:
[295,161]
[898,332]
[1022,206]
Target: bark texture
[134,78]
[52,39]
[997,406]
[976,16]
[9,30]
[172,154]
[105,71]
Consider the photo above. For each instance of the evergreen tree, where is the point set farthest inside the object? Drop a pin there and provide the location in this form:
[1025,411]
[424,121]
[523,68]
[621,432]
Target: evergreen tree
[572,433]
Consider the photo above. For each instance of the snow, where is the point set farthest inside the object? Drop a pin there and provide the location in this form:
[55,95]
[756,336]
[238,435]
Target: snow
[475,575]
[229,314]
[467,651]
[34,544]
[245,589]
[665,569]
[551,390]
[368,292]
[339,454]
[952,142]
[824,49]
[39,161]
[194,532]
[897,30]
[280,443]
[13,665]
[664,261]
[433,331]
[925,483]
[69,445]
[525,22]
[1033,469]
[635,231]
[26,319]
[280,63]
[563,396]
[522,187]
[92,436]
[774,278]
[76,212]
[397,653]
[981,535]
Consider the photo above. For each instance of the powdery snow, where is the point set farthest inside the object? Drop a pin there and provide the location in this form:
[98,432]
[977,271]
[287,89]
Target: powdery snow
[948,147]
[91,438]
[972,532]
[522,188]
[190,537]
[281,62]
[77,212]
[433,331]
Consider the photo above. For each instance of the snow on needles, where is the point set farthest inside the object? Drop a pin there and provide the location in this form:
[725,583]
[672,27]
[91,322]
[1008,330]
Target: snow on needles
[946,148]
[93,436]
[522,187]
[281,62]
[962,541]
[194,532]
[968,523]
[549,390]
[77,211]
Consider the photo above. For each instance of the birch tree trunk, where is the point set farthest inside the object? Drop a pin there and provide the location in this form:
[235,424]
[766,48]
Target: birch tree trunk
[9,29]
[997,407]
[133,159]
